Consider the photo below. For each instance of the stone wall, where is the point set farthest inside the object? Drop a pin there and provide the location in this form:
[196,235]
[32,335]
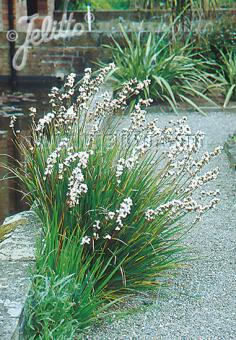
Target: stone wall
[17,256]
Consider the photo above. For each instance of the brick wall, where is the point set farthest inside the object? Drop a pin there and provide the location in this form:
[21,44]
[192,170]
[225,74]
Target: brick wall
[4,15]
[21,11]
[1,19]
[4,55]
[45,7]
[59,57]
[4,52]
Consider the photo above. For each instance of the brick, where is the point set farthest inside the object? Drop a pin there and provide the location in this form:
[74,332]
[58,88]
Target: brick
[89,52]
[87,39]
[78,65]
[3,40]
[107,38]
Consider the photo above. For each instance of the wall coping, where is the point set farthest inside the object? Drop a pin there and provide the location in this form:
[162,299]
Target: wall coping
[17,258]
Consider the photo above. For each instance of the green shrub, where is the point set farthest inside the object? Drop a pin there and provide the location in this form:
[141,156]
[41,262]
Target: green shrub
[176,72]
[218,36]
[228,75]
[59,306]
[99,5]
[120,4]
[111,200]
[50,309]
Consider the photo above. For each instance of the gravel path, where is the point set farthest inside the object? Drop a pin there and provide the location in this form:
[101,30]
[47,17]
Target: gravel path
[201,303]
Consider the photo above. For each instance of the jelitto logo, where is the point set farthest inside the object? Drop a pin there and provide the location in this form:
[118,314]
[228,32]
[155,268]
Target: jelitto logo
[50,30]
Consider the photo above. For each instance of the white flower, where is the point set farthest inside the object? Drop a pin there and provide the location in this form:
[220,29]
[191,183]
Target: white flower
[54,156]
[70,113]
[70,80]
[12,121]
[111,215]
[32,112]
[85,240]
[124,211]
[95,236]
[123,164]
[150,214]
[107,237]
[80,157]
[76,186]
[43,122]
[96,224]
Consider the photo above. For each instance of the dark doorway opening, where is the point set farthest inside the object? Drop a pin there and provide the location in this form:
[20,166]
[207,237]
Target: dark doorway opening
[32,7]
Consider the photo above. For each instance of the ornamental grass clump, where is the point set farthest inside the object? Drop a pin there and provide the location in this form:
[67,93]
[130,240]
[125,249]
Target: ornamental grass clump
[228,75]
[177,73]
[112,199]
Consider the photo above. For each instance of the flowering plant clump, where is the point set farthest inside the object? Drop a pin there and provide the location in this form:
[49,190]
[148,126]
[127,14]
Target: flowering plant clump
[112,194]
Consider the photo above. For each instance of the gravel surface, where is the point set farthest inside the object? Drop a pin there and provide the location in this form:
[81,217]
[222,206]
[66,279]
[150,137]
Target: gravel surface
[201,303]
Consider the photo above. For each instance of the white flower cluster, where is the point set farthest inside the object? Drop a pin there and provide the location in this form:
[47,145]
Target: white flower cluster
[110,215]
[65,115]
[138,116]
[176,147]
[178,141]
[43,122]
[144,146]
[85,240]
[199,181]
[102,107]
[71,158]
[123,212]
[12,122]
[198,165]
[76,185]
[92,133]
[55,97]
[119,216]
[110,106]
[54,93]
[88,86]
[123,164]
[133,87]
[70,81]
[173,148]
[84,89]
[60,115]
[96,227]
[70,116]
[175,208]
[69,86]
[32,111]
[54,156]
